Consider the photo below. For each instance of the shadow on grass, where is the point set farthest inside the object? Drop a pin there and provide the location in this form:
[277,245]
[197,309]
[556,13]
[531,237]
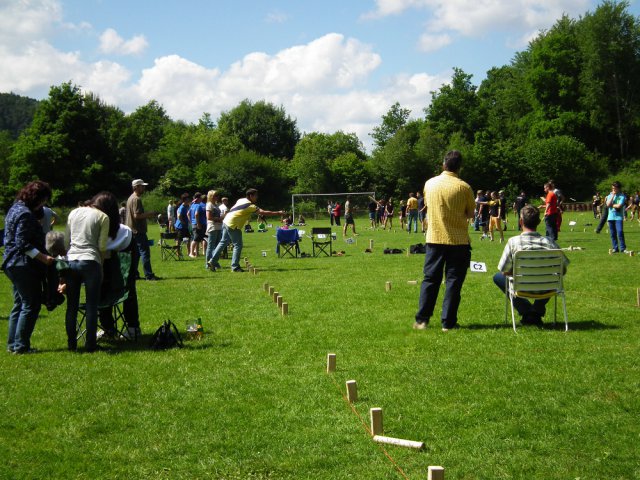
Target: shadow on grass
[559,325]
[143,344]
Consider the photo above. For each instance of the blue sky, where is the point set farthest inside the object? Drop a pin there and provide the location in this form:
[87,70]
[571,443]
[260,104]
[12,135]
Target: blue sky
[333,65]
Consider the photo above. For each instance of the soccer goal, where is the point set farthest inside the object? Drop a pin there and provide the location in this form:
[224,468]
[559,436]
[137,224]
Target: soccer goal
[312,203]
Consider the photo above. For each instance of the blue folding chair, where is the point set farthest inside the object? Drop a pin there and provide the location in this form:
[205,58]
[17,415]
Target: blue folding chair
[287,242]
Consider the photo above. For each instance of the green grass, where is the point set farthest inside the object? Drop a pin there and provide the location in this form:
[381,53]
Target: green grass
[252,400]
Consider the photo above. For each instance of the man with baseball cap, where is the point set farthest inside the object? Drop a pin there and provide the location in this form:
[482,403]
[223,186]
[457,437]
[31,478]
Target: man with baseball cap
[136,220]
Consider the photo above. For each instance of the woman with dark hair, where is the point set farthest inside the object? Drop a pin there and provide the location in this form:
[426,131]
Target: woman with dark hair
[24,263]
[87,230]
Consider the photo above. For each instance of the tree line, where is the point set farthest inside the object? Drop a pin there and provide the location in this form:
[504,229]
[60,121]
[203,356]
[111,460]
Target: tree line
[567,108]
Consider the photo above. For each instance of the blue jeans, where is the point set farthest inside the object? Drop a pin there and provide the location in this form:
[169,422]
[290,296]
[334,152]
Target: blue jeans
[145,254]
[413,217]
[229,235]
[522,305]
[27,298]
[88,272]
[617,236]
[212,243]
[454,261]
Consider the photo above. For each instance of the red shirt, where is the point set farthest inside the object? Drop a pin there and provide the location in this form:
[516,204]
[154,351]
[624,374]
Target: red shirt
[337,210]
[552,203]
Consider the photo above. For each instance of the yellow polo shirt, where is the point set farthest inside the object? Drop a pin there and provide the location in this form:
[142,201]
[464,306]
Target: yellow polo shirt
[412,203]
[449,203]
[239,214]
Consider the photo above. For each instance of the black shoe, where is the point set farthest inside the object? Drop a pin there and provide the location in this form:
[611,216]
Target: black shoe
[238,269]
[531,319]
[153,278]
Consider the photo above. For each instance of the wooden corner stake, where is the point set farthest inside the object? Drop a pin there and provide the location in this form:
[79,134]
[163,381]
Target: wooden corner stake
[436,473]
[376,421]
[352,391]
[331,362]
[285,308]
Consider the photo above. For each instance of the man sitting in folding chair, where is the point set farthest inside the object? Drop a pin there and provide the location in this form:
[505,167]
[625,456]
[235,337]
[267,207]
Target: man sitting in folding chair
[287,242]
[528,240]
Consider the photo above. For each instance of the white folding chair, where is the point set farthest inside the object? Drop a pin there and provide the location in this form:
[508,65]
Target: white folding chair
[537,274]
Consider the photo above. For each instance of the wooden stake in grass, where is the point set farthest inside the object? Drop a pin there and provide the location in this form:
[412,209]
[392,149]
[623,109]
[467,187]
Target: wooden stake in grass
[436,473]
[371,244]
[265,286]
[400,442]
[331,362]
[387,286]
[352,391]
[255,271]
[279,301]
[285,309]
[275,297]
[376,421]
[271,290]
[412,282]
[638,297]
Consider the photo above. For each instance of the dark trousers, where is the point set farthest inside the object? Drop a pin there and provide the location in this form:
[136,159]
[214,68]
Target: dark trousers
[453,262]
[551,224]
[523,306]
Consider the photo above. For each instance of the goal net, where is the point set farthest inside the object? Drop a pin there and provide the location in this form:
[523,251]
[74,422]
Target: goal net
[315,205]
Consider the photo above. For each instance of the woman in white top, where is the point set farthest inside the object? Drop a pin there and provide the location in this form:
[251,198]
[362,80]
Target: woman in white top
[87,230]
[214,225]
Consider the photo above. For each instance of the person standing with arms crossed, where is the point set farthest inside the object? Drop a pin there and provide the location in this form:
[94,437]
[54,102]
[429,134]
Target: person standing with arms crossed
[451,204]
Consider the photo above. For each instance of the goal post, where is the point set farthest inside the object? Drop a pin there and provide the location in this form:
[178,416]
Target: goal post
[316,197]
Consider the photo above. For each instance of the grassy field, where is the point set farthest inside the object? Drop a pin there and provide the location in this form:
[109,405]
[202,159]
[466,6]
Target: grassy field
[252,399]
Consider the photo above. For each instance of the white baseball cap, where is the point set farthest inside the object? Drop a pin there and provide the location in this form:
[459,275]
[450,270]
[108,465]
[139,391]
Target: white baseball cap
[137,182]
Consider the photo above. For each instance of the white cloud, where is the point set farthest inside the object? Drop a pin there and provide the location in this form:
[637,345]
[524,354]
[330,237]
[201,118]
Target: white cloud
[276,17]
[22,22]
[322,84]
[394,7]
[111,42]
[475,18]
[431,43]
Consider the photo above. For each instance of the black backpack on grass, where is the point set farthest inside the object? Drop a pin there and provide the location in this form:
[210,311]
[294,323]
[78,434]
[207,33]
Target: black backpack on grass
[167,336]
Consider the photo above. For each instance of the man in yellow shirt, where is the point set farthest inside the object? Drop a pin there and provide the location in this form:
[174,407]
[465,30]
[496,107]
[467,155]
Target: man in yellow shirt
[412,212]
[450,204]
[232,226]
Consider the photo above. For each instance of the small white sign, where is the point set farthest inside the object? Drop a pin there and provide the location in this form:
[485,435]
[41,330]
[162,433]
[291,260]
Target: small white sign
[479,267]
[572,223]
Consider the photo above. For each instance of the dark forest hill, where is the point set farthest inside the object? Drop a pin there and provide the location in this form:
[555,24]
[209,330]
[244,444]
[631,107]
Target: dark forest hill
[16,112]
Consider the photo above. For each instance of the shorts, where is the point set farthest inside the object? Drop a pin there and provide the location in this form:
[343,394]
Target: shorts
[198,234]
[183,233]
[348,219]
[372,215]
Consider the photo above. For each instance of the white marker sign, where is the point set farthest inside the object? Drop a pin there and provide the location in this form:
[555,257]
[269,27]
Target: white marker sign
[478,267]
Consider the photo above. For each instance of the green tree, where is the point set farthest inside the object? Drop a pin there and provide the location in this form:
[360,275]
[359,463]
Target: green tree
[326,163]
[16,112]
[397,168]
[63,145]
[392,121]
[262,128]
[610,47]
[455,107]
[235,173]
